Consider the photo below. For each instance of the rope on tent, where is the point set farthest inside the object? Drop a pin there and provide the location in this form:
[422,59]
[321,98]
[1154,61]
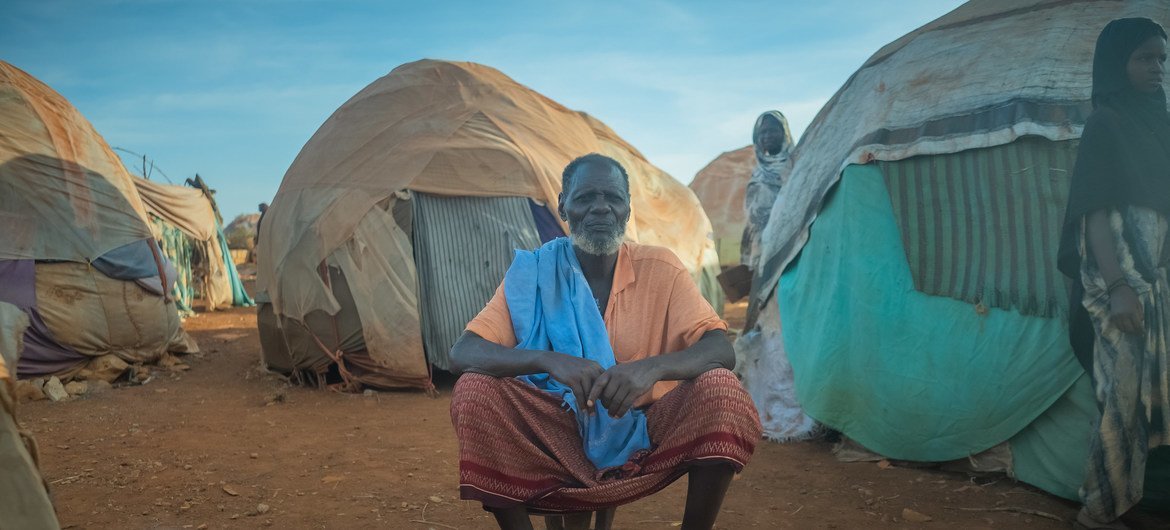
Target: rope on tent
[349,382]
[162,269]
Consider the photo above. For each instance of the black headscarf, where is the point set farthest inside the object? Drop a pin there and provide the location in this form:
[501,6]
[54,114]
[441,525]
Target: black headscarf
[1123,158]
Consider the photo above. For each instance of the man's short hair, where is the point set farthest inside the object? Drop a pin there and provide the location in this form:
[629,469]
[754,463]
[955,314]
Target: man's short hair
[591,158]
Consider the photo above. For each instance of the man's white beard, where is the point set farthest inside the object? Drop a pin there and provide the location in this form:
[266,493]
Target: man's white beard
[599,244]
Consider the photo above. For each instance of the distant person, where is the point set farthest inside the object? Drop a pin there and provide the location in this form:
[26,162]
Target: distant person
[597,375]
[773,145]
[1116,245]
[263,210]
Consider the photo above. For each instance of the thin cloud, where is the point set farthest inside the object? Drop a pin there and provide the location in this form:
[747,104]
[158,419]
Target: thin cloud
[233,90]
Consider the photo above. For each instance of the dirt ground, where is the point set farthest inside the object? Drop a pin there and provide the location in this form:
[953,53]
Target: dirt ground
[224,445]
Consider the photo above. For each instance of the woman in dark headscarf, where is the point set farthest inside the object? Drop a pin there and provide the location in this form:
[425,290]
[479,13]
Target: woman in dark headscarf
[773,144]
[1116,244]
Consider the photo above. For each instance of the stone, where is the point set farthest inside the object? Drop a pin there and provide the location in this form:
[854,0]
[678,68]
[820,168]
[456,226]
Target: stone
[27,390]
[77,388]
[107,368]
[55,390]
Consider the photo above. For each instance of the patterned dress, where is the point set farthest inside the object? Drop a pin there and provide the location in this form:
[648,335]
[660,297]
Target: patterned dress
[1131,372]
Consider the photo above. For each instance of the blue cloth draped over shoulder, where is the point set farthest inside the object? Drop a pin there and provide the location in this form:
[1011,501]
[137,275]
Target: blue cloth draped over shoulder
[553,309]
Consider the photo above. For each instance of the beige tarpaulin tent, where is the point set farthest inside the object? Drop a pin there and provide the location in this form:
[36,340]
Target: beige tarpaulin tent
[442,129]
[72,218]
[191,212]
[720,186]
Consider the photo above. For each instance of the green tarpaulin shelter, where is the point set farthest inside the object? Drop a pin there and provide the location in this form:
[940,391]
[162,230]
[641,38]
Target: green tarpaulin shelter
[909,264]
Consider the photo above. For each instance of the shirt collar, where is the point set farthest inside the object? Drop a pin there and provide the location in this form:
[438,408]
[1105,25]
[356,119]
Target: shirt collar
[623,271]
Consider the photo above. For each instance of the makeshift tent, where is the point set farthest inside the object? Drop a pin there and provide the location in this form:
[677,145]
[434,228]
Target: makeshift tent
[186,223]
[399,217]
[77,254]
[720,186]
[24,496]
[923,315]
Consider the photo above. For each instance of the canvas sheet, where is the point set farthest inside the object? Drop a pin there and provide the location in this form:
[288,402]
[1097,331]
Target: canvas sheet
[463,246]
[90,313]
[1052,451]
[720,187]
[184,207]
[920,377]
[379,267]
[913,376]
[762,365]
[454,129]
[42,354]
[13,323]
[24,502]
[291,346]
[64,195]
[133,261]
[944,88]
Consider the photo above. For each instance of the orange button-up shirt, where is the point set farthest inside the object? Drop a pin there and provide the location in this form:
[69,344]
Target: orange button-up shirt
[654,308]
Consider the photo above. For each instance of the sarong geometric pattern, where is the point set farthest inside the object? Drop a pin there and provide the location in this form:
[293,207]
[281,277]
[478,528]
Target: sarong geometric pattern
[519,446]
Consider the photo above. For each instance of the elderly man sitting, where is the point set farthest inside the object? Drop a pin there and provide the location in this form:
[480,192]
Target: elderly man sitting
[597,375]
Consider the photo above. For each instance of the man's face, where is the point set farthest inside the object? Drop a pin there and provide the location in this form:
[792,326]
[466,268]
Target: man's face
[597,207]
[771,135]
[1147,64]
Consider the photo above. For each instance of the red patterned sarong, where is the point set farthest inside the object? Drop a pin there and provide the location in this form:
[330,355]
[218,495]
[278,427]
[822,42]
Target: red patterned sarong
[519,445]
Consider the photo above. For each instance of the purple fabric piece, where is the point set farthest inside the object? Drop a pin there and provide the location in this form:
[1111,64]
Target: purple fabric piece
[18,282]
[547,226]
[42,356]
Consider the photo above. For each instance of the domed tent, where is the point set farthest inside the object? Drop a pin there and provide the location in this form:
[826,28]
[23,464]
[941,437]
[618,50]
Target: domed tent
[77,255]
[186,221]
[397,220]
[720,186]
[923,313]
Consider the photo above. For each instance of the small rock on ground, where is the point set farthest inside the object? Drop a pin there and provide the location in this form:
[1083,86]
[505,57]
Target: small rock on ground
[55,390]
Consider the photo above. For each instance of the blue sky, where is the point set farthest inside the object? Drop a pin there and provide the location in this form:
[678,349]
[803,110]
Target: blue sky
[233,89]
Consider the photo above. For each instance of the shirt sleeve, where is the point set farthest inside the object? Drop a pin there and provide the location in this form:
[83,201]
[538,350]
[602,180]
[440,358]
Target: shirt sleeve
[688,314]
[494,322]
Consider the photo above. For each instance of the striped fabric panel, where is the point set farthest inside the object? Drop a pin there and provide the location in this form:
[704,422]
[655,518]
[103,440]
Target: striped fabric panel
[983,225]
[178,248]
[462,248]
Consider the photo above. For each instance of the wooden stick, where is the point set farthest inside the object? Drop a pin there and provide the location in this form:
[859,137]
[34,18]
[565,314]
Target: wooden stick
[1015,509]
[423,521]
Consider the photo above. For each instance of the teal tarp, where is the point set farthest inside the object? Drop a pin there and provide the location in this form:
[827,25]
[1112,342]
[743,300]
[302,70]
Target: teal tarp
[240,296]
[919,377]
